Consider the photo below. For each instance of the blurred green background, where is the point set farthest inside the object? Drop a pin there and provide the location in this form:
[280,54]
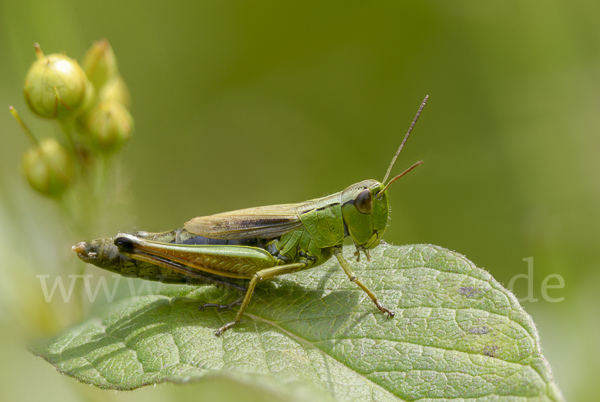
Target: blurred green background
[248,103]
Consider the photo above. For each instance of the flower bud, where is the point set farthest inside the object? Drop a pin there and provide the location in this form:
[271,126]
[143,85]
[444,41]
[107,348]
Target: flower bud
[109,125]
[55,85]
[100,63]
[90,98]
[116,90]
[48,168]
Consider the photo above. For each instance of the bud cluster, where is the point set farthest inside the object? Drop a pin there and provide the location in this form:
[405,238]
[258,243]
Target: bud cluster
[91,102]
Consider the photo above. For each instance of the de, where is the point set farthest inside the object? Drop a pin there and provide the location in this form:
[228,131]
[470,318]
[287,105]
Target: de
[544,288]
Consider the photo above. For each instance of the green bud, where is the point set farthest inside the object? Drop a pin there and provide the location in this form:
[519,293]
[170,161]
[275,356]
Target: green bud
[55,85]
[100,63]
[48,168]
[90,97]
[116,90]
[109,125]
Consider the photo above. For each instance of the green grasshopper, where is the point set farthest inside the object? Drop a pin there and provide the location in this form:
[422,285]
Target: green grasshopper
[255,244]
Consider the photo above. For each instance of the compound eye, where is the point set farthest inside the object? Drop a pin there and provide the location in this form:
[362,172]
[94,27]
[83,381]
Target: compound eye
[364,202]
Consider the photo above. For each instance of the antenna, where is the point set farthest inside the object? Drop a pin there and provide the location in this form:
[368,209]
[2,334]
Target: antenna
[399,176]
[412,125]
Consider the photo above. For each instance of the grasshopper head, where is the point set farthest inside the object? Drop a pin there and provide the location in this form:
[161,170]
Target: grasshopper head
[365,210]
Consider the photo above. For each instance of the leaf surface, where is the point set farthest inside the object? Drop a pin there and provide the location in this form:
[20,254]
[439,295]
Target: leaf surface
[457,334]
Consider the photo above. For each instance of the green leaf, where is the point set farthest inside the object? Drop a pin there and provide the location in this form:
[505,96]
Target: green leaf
[457,333]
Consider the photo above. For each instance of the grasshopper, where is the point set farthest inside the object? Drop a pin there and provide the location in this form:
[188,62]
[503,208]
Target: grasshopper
[256,244]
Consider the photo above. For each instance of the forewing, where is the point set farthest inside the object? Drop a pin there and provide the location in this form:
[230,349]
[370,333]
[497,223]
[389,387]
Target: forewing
[262,222]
